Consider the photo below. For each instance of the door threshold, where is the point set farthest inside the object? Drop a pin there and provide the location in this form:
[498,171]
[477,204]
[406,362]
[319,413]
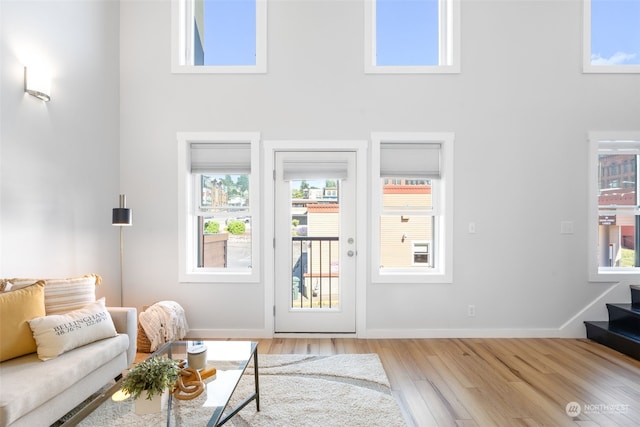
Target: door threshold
[315,335]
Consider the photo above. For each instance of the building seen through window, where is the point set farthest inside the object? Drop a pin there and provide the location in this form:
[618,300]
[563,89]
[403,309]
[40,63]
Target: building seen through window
[618,218]
[406,223]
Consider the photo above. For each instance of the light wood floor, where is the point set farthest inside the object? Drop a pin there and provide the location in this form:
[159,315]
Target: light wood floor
[496,382]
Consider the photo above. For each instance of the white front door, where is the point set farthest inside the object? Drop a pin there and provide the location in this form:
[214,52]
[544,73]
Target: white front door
[315,241]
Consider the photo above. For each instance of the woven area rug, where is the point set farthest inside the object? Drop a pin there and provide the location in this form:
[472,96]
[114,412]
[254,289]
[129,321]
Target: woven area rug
[295,390]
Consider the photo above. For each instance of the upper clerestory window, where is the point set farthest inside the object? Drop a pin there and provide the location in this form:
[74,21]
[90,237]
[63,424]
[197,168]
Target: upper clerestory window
[611,36]
[219,36]
[412,36]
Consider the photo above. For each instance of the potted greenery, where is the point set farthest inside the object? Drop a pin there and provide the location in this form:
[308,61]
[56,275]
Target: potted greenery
[155,376]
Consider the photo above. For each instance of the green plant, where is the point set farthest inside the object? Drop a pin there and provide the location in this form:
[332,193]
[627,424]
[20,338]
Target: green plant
[236,227]
[212,227]
[154,375]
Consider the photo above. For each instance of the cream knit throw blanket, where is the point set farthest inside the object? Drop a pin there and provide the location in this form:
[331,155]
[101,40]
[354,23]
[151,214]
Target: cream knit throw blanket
[162,322]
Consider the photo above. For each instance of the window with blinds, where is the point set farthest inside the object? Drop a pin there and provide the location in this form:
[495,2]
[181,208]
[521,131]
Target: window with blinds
[410,199]
[219,205]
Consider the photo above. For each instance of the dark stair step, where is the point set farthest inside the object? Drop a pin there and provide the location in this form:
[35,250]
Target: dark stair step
[624,316]
[624,341]
[635,295]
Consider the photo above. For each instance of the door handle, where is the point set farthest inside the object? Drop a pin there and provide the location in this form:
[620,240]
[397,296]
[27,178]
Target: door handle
[350,253]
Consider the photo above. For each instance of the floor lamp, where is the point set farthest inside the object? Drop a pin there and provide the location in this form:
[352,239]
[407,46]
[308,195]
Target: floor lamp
[121,217]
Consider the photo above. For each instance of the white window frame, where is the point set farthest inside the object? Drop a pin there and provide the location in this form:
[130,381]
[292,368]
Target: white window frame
[182,43]
[449,44]
[597,141]
[442,196]
[587,66]
[187,251]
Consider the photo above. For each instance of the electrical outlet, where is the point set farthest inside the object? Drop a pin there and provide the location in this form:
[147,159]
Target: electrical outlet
[566,227]
[471,310]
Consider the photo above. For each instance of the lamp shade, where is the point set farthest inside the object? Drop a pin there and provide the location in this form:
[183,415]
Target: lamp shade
[121,215]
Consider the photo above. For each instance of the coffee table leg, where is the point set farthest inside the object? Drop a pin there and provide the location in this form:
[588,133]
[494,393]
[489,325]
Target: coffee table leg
[255,396]
[255,374]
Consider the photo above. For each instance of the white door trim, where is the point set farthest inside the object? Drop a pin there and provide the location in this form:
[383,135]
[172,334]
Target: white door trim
[362,198]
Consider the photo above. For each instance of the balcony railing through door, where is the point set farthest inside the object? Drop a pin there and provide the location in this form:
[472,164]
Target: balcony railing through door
[315,272]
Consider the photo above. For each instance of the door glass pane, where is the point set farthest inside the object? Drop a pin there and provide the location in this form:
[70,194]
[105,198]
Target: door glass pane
[315,245]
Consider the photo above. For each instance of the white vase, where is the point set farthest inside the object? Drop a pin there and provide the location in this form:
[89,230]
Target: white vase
[158,403]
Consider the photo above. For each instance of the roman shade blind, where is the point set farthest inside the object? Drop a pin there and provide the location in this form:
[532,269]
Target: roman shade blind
[619,147]
[295,170]
[410,159]
[220,157]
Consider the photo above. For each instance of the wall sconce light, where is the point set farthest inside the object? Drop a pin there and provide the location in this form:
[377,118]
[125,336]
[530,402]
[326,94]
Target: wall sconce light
[37,82]
[404,237]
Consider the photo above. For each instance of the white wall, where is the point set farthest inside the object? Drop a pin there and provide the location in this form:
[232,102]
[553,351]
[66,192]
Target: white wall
[60,160]
[520,109]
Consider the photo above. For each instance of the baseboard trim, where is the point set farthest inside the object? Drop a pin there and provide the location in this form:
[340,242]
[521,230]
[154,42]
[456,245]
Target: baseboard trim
[386,333]
[461,333]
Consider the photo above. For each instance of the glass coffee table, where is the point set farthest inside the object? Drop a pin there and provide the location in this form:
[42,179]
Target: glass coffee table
[230,358]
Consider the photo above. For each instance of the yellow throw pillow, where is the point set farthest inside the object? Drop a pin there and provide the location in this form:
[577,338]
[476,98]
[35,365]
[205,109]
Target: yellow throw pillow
[16,309]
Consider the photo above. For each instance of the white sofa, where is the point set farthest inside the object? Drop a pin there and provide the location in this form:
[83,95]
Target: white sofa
[37,393]
[58,345]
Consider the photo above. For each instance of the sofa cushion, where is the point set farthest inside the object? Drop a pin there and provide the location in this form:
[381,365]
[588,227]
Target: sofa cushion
[58,333]
[61,295]
[16,309]
[64,295]
[28,382]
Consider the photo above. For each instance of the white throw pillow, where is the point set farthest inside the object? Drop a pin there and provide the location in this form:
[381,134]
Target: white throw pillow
[58,333]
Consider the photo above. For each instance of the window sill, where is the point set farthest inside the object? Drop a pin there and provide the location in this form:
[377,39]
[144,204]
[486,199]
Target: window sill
[613,275]
[221,277]
[392,69]
[611,69]
[401,278]
[222,69]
